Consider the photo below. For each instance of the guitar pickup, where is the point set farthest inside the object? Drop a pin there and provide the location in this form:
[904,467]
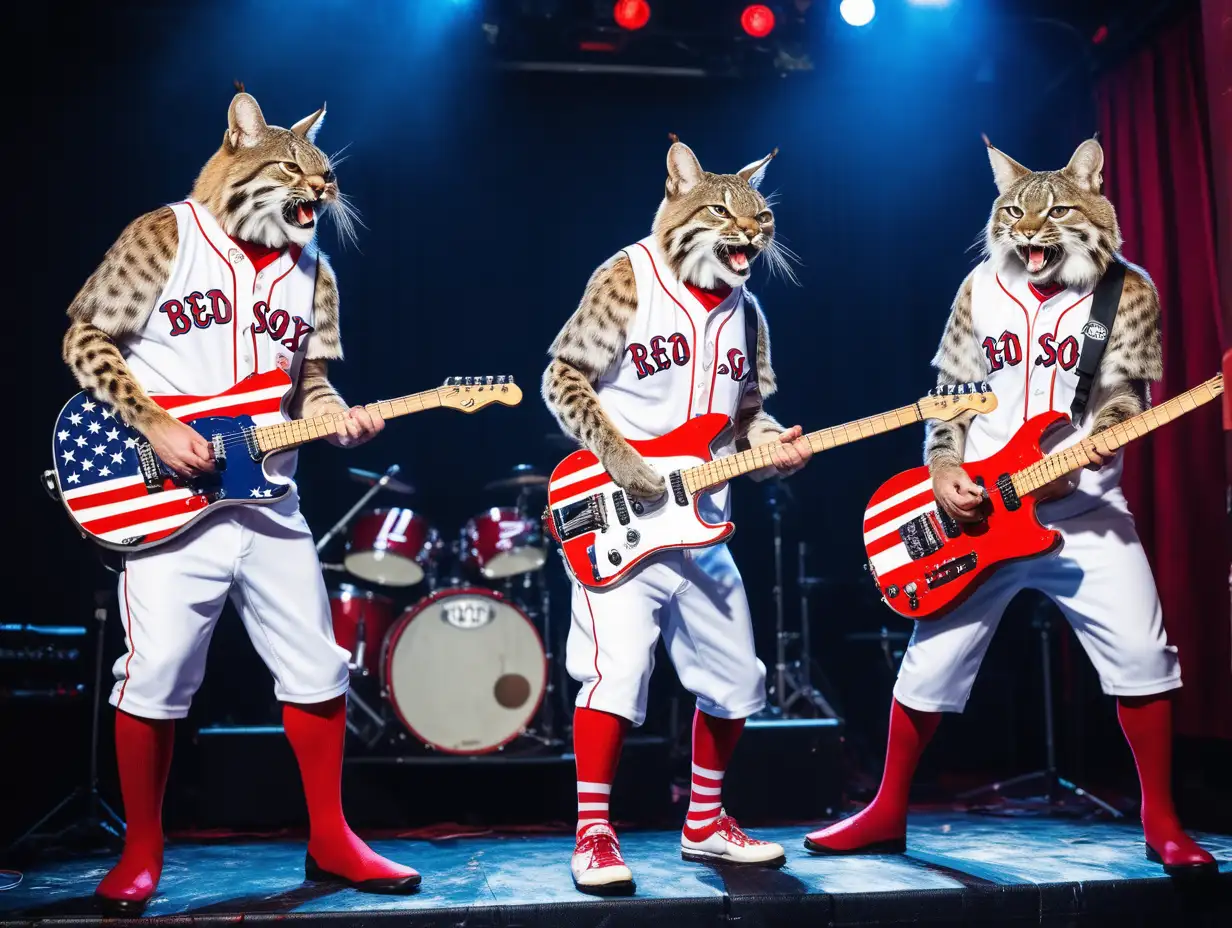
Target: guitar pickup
[1009,496]
[151,470]
[950,570]
[921,537]
[621,507]
[678,491]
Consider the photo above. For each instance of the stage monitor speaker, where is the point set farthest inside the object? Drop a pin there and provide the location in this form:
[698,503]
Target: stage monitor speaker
[786,770]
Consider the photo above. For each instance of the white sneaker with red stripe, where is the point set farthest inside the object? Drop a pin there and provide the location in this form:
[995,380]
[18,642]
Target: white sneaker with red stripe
[597,865]
[723,840]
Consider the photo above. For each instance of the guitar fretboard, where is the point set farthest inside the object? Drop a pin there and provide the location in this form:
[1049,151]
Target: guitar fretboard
[733,465]
[283,435]
[1078,456]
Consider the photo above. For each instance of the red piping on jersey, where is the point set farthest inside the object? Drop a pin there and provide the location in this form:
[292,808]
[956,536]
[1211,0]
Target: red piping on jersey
[1055,332]
[1026,363]
[128,615]
[269,302]
[594,633]
[693,356]
[235,303]
[715,371]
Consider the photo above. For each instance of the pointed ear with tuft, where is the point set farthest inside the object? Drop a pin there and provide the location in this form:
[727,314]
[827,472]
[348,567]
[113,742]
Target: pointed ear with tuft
[1086,167]
[684,171]
[245,124]
[755,173]
[309,126]
[1005,170]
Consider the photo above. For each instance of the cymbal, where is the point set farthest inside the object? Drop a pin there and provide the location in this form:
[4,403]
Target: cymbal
[524,475]
[368,478]
[884,635]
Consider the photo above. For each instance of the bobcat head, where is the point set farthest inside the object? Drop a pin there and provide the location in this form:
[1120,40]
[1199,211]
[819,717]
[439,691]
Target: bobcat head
[712,227]
[271,185]
[1056,224]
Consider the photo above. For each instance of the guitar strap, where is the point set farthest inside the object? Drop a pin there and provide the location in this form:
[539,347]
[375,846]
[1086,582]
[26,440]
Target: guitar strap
[1095,333]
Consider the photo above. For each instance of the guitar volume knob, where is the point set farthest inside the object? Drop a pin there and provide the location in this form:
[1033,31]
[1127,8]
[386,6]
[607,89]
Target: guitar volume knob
[633,536]
[614,557]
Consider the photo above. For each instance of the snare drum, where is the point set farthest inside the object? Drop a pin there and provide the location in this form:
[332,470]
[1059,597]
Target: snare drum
[465,671]
[392,547]
[352,609]
[502,543]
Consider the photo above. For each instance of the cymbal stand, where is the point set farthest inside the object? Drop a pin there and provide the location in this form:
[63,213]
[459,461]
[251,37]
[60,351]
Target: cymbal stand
[799,673]
[347,516]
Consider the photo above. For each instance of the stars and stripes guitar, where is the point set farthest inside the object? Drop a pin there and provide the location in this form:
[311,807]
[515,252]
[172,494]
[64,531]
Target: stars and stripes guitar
[605,535]
[122,496]
[926,563]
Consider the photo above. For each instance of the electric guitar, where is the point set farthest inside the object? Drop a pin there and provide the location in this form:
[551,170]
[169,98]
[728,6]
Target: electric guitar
[926,563]
[120,494]
[604,534]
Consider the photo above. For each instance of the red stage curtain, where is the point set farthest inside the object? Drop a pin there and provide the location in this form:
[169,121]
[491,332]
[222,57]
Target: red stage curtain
[1158,173]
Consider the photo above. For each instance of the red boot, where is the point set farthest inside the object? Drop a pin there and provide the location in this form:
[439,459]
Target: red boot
[335,853]
[881,826]
[1147,723]
[143,755]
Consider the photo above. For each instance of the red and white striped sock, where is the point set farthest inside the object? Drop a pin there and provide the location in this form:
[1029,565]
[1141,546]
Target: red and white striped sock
[597,740]
[714,741]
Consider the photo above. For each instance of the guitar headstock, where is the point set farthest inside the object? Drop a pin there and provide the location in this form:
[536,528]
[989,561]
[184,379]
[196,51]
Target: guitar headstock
[470,394]
[950,400]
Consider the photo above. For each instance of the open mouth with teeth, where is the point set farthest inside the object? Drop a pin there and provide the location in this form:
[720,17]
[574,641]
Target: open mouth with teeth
[736,257]
[300,213]
[1037,257]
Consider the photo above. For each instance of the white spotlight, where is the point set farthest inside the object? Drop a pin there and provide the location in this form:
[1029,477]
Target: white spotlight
[857,12]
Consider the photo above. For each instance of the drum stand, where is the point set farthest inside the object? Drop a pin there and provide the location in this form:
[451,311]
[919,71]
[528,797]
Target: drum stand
[98,821]
[347,516]
[792,680]
[1054,784]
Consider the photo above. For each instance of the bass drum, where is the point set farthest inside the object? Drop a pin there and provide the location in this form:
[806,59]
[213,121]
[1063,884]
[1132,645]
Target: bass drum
[465,671]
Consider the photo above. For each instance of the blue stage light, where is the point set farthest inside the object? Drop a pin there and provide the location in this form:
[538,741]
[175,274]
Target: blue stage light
[857,12]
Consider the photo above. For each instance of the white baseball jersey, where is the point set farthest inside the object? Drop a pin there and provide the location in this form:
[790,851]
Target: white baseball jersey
[1031,344]
[218,319]
[679,360]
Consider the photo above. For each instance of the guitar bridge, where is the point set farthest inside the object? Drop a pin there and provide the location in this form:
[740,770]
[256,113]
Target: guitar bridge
[578,518]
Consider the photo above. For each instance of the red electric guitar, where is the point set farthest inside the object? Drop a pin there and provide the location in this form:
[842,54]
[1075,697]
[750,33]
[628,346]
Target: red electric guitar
[926,563]
[605,535]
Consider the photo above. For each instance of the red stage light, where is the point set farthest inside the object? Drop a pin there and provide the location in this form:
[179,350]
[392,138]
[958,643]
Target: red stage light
[631,14]
[757,20]
[1100,35]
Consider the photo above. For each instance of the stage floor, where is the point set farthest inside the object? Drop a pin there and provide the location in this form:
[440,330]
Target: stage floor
[960,868]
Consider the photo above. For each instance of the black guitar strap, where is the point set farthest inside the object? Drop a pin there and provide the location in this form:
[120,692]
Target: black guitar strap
[1095,334]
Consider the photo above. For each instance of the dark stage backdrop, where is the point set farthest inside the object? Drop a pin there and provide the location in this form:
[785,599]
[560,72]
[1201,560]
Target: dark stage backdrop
[1153,117]
[488,199]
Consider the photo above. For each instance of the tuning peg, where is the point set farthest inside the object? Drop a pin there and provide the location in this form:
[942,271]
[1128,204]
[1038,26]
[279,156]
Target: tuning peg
[489,380]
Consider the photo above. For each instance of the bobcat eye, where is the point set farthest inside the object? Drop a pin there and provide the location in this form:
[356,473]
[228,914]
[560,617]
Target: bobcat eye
[1058,212]
[720,211]
[1014,211]
[329,177]
[290,167]
[765,217]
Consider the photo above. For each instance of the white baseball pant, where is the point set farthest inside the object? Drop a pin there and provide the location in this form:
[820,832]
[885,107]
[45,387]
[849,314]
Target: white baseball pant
[264,558]
[696,599]
[1101,581]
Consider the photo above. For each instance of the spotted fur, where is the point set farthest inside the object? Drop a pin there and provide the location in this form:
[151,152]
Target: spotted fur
[314,394]
[116,300]
[958,360]
[593,339]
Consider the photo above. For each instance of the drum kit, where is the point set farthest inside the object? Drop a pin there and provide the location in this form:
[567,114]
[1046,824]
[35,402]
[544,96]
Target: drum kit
[450,637]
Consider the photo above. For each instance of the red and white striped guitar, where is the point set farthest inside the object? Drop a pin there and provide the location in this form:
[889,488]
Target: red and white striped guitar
[604,535]
[119,493]
[926,563]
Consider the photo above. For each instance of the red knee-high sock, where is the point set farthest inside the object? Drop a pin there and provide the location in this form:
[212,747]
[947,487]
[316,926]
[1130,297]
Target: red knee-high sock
[597,740]
[885,818]
[1147,723]
[317,733]
[143,755]
[714,742]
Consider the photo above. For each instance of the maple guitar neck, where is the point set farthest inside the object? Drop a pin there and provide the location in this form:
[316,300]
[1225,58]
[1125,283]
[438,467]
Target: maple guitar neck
[725,468]
[1077,456]
[283,435]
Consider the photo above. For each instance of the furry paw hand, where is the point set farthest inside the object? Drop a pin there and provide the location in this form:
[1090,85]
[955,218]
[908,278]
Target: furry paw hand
[633,475]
